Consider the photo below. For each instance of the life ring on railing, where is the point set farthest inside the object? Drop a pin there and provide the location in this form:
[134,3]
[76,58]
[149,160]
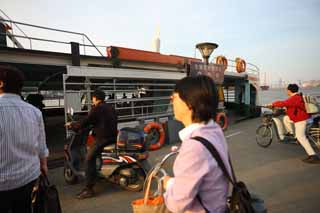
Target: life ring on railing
[222,61]
[222,120]
[157,136]
[240,65]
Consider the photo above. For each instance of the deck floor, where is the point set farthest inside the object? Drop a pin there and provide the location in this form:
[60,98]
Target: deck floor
[276,173]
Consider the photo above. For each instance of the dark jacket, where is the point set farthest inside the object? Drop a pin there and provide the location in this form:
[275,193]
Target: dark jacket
[103,118]
[295,108]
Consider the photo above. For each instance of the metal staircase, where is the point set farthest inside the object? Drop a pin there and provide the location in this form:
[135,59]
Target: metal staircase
[51,45]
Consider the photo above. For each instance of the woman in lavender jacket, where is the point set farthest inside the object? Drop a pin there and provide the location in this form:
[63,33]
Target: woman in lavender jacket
[197,175]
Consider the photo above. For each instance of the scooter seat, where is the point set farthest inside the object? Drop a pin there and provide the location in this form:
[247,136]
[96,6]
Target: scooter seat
[109,148]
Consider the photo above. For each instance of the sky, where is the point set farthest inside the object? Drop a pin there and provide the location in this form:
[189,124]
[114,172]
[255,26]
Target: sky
[281,37]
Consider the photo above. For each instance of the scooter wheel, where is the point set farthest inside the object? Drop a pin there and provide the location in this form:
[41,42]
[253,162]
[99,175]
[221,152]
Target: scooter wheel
[69,175]
[137,186]
[264,136]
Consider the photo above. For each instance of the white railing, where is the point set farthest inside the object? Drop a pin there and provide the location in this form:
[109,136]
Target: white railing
[250,68]
[42,42]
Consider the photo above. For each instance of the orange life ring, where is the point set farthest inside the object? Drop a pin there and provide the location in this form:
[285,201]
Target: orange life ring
[240,65]
[222,120]
[158,127]
[223,61]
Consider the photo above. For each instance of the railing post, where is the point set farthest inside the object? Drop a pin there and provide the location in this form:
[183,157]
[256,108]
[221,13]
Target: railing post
[84,45]
[3,36]
[75,54]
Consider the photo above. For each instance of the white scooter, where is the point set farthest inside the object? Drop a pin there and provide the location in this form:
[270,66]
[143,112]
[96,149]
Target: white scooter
[273,120]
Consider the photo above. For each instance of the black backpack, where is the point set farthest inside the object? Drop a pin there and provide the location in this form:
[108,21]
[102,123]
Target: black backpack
[240,200]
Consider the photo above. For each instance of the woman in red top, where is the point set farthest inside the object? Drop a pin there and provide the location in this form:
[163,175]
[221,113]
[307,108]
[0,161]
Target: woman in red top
[297,114]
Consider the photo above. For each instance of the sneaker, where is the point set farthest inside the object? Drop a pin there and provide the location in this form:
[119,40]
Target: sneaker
[290,140]
[288,134]
[313,159]
[293,141]
[85,193]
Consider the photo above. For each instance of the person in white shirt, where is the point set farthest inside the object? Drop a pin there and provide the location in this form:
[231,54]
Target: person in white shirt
[23,149]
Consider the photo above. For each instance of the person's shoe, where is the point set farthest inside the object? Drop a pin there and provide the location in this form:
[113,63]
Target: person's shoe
[312,159]
[85,193]
[288,134]
[293,141]
[289,139]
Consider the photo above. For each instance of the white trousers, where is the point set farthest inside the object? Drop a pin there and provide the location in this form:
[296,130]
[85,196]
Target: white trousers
[288,124]
[300,130]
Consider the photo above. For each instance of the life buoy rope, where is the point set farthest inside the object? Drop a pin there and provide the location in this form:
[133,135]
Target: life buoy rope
[222,120]
[158,127]
[240,65]
[222,61]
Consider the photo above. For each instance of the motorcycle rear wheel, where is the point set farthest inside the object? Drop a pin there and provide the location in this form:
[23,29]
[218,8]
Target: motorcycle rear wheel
[313,134]
[137,186]
[69,175]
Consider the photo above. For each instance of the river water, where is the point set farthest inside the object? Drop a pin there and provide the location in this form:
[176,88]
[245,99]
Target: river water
[268,96]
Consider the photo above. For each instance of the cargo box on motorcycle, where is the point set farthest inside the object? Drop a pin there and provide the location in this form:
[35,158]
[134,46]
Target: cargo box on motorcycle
[131,139]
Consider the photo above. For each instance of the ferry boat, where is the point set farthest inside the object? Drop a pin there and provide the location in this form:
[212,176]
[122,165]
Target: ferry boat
[137,82]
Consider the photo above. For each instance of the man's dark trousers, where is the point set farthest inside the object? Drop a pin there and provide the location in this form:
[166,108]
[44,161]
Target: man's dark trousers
[94,152]
[17,200]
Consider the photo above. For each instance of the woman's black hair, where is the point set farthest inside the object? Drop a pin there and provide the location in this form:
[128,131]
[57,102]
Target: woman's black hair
[99,94]
[293,88]
[200,94]
[12,79]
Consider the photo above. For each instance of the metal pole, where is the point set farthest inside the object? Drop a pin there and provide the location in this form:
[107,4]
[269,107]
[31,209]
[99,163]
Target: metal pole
[87,86]
[206,60]
[84,46]
[65,77]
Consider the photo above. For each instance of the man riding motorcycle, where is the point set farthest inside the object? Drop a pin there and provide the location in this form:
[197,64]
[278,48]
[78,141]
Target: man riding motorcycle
[103,118]
[296,113]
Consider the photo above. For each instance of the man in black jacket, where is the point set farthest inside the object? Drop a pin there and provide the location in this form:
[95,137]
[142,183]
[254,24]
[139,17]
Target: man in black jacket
[103,118]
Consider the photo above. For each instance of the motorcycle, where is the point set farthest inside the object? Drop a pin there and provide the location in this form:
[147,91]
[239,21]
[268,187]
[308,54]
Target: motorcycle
[124,163]
[272,122]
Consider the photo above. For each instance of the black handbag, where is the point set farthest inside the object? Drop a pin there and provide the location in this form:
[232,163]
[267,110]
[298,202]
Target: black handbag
[45,197]
[241,200]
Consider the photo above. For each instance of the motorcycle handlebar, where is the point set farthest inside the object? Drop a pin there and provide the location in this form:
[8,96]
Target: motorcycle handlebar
[266,106]
[158,166]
